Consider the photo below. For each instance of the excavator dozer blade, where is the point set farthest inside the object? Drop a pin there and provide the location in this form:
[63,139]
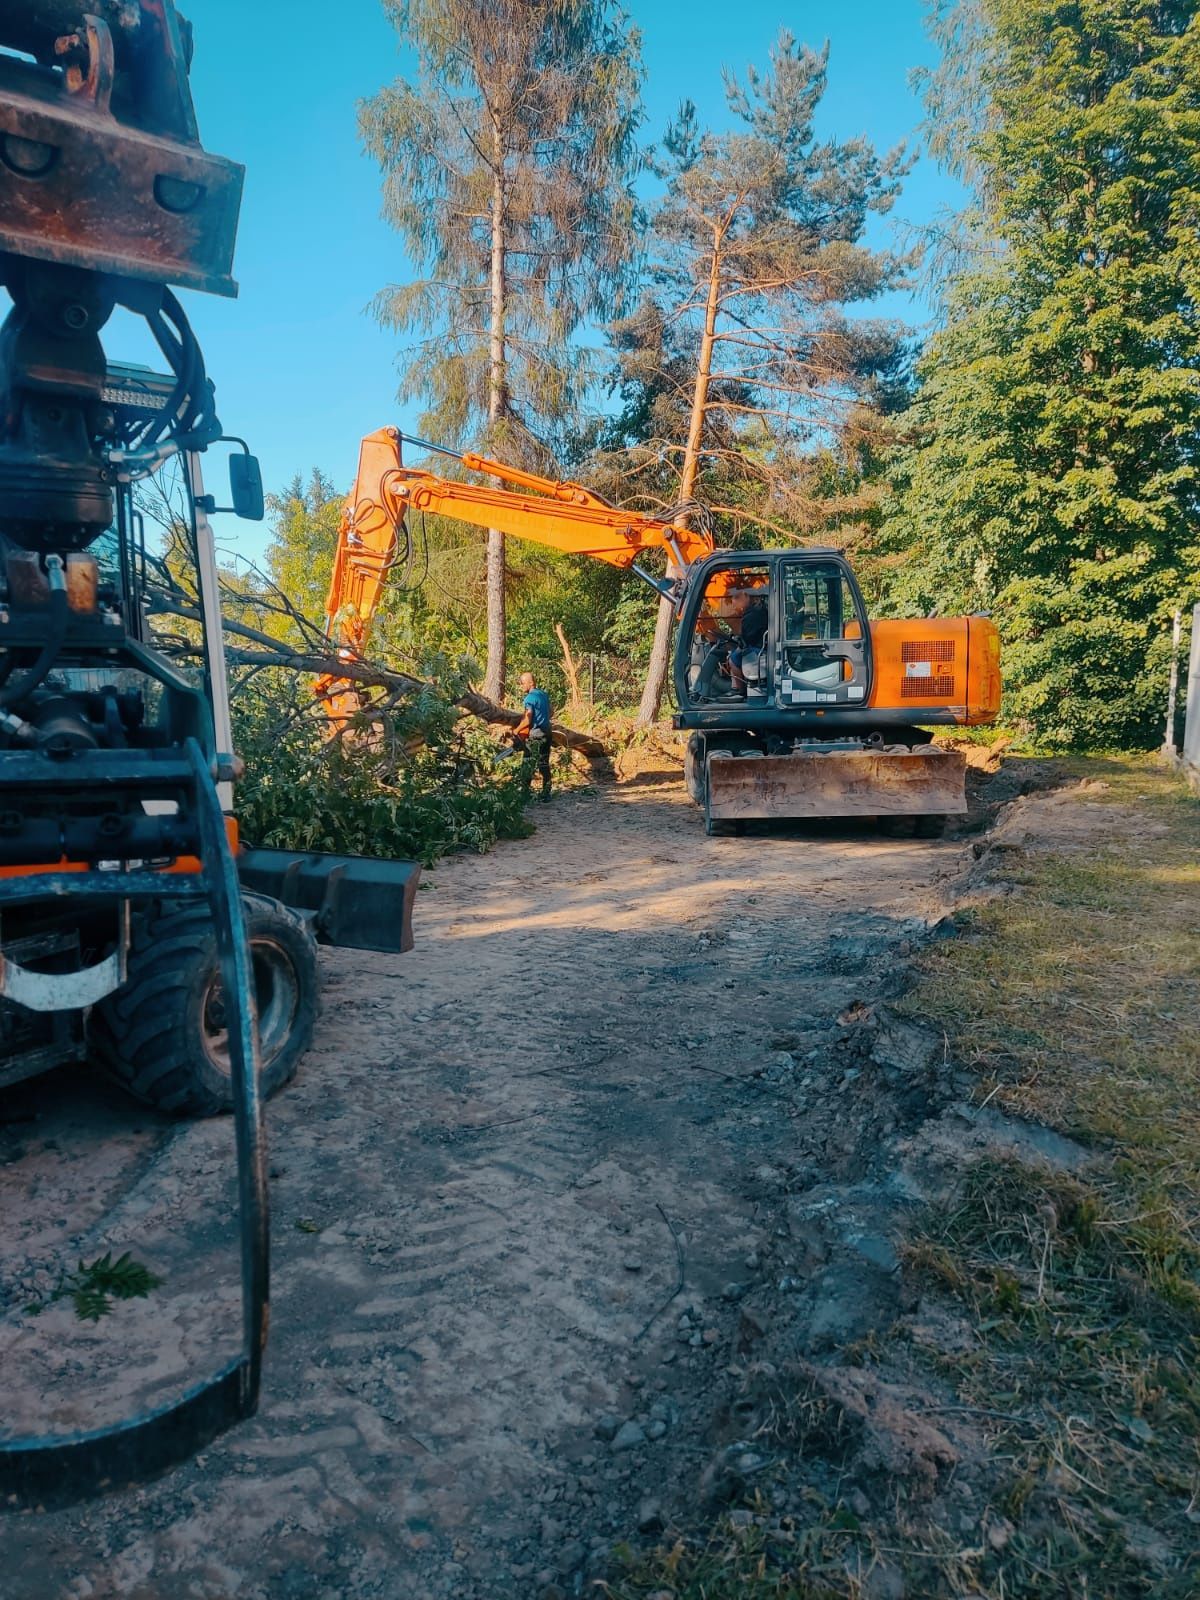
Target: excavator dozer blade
[357,902]
[890,782]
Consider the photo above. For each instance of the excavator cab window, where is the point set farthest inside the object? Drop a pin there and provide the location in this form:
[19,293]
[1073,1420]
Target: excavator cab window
[824,636]
[729,651]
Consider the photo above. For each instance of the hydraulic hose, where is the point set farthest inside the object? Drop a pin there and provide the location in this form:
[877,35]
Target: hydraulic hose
[59,616]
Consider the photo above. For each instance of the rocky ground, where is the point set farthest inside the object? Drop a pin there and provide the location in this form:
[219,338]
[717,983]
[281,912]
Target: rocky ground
[557,1198]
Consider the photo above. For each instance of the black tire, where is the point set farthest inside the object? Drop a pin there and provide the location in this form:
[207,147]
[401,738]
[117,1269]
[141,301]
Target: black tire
[693,767]
[160,1034]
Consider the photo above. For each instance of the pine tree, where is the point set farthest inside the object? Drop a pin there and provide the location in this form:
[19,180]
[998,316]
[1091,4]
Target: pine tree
[508,164]
[1055,482]
[304,528]
[757,252]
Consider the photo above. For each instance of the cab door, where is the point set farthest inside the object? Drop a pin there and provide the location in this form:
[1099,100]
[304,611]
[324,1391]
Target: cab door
[823,654]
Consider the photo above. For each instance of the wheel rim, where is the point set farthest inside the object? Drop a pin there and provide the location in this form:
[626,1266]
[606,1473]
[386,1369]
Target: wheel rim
[277,997]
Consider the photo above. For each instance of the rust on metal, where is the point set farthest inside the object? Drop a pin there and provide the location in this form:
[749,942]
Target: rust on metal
[83,581]
[101,162]
[893,782]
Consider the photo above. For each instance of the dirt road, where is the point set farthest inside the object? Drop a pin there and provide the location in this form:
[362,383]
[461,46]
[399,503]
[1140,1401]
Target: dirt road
[611,1048]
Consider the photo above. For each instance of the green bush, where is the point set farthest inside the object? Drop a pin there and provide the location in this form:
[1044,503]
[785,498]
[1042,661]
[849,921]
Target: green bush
[414,784]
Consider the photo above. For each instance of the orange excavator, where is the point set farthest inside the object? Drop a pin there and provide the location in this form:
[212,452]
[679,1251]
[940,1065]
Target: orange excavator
[796,703]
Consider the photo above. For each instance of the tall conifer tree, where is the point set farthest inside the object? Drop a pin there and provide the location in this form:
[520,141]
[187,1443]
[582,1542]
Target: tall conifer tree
[758,250]
[508,160]
[1055,482]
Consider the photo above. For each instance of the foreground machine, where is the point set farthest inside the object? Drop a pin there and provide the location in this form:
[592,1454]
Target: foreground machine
[797,704]
[124,931]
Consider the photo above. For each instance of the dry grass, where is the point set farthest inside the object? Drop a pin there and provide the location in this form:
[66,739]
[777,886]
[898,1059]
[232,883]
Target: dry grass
[1077,1000]
[786,1561]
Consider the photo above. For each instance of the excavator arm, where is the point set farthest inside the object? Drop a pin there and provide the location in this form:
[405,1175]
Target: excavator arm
[560,515]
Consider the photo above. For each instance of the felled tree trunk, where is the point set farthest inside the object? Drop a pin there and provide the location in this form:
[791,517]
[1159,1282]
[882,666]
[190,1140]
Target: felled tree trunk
[367,675]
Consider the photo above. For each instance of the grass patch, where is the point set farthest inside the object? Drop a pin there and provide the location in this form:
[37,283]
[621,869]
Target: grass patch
[756,1560]
[1076,997]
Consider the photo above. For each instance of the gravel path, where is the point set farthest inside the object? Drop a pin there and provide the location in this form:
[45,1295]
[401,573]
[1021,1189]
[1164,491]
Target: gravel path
[485,1180]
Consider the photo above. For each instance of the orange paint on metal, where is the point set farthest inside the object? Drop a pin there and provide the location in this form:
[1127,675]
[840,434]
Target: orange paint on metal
[181,864]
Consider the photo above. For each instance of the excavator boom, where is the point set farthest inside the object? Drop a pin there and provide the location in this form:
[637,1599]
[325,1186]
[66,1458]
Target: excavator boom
[558,514]
[798,705]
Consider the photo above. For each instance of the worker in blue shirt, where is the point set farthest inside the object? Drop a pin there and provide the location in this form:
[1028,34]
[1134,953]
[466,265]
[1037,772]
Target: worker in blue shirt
[531,736]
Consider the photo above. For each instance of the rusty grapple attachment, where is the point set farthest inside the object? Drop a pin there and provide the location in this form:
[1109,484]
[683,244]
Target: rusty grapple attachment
[882,781]
[98,105]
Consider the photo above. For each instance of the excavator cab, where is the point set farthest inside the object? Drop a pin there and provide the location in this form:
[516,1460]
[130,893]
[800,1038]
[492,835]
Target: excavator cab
[763,638]
[799,707]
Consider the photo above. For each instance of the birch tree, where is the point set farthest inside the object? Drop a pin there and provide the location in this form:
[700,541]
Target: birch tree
[508,161]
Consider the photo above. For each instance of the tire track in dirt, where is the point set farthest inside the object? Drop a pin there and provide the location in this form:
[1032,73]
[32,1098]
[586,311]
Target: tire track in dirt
[476,1176]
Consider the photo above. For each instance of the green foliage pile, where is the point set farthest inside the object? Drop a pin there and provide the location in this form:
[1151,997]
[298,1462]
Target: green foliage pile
[414,786]
[1055,478]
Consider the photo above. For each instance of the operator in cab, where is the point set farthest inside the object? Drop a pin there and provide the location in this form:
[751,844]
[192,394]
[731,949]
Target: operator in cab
[531,736]
[752,633]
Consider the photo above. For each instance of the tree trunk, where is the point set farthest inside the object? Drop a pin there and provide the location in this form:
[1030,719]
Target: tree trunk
[570,671]
[660,655]
[497,633]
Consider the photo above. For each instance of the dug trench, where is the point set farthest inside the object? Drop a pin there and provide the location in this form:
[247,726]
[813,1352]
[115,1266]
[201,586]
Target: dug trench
[557,1198]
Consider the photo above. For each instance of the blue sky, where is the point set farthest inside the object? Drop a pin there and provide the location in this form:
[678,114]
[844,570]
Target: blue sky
[302,371]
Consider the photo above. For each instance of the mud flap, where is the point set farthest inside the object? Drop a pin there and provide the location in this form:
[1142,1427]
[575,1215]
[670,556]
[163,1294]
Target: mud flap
[359,902]
[893,781]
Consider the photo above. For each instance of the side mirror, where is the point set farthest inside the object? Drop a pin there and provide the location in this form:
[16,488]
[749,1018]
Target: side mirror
[246,487]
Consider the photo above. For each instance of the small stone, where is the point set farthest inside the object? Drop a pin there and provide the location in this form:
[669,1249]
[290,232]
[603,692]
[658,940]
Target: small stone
[741,1518]
[711,1335]
[572,1558]
[696,1340]
[858,1503]
[607,1428]
[733,1291]
[650,1517]
[752,1262]
[878,1250]
[632,1263]
[655,1428]
[629,1436]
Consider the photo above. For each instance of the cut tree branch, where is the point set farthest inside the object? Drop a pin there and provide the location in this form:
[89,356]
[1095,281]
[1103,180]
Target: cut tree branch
[368,675]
